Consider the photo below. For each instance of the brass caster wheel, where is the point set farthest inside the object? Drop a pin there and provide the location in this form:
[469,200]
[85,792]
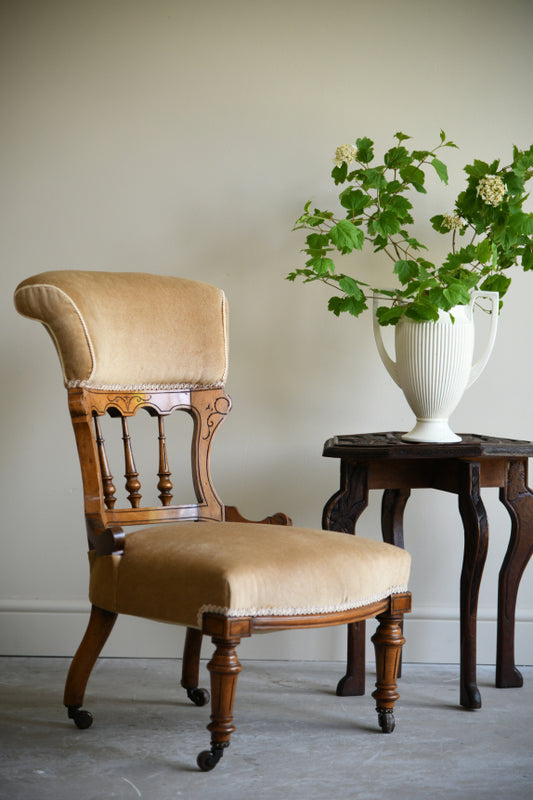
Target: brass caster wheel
[200,697]
[82,719]
[386,720]
[208,759]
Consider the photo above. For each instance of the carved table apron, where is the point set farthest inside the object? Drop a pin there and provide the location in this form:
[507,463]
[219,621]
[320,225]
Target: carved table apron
[384,461]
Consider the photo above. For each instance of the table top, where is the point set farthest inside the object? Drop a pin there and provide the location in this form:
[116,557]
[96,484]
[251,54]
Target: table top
[390,445]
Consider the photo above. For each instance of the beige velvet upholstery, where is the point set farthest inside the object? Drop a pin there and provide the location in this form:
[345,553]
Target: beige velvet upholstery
[130,329]
[175,573]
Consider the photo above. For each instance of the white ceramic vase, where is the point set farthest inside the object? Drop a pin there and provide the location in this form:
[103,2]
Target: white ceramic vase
[434,367]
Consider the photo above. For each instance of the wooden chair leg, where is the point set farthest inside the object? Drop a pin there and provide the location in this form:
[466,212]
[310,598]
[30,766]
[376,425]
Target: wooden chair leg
[98,629]
[224,668]
[388,641]
[191,667]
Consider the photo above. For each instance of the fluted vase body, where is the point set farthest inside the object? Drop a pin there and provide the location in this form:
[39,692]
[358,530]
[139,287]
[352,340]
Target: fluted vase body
[434,367]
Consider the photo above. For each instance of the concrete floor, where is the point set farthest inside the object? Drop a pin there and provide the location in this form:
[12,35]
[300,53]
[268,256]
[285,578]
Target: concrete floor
[294,740]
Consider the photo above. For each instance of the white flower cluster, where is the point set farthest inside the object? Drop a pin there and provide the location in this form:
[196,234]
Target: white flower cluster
[344,154]
[491,189]
[453,221]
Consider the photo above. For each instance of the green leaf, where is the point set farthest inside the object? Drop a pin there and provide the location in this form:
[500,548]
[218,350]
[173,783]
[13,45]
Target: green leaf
[335,305]
[406,269]
[425,265]
[436,223]
[401,136]
[389,316]
[413,175]
[463,256]
[441,170]
[307,274]
[400,205]
[484,251]
[316,242]
[527,257]
[350,287]
[339,173]
[456,294]
[422,311]
[478,169]
[514,183]
[520,223]
[436,297]
[393,187]
[522,162]
[321,266]
[342,304]
[420,155]
[397,157]
[353,306]
[496,283]
[412,242]
[380,242]
[346,236]
[373,179]
[365,152]
[354,200]
[387,223]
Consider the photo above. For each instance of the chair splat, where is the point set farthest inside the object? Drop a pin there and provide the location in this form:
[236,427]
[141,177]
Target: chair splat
[165,484]
[133,483]
[107,478]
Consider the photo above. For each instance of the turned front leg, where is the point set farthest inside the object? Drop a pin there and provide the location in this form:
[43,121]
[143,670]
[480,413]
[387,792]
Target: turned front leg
[388,642]
[224,668]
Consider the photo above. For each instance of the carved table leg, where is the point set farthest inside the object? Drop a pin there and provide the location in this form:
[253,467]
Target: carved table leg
[476,533]
[518,499]
[341,513]
[392,508]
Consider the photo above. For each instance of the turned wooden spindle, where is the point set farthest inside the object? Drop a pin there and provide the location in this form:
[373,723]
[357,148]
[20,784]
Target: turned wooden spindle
[107,478]
[133,485]
[165,484]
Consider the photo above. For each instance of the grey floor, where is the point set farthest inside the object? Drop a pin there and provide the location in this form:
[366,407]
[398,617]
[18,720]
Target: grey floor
[294,738]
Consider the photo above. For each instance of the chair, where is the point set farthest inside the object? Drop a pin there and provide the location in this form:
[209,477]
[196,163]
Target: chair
[129,342]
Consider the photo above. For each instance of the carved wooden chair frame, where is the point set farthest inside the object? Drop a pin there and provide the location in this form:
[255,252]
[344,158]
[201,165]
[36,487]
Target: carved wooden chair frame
[105,529]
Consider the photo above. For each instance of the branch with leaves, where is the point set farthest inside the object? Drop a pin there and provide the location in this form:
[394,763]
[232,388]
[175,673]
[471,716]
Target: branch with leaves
[376,211]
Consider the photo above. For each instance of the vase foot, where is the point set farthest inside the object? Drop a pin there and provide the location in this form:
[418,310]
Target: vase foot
[431,430]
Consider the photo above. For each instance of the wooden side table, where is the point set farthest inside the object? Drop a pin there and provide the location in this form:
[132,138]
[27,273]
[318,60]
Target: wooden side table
[384,461]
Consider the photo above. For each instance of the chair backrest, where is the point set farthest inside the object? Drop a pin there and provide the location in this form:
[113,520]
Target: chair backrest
[131,341]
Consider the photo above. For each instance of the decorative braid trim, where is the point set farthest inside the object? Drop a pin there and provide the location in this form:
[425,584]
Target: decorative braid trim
[297,611]
[142,387]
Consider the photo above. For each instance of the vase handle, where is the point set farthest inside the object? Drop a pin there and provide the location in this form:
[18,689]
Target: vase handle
[479,366]
[391,366]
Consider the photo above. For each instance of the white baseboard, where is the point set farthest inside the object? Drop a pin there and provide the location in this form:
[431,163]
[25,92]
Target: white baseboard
[55,628]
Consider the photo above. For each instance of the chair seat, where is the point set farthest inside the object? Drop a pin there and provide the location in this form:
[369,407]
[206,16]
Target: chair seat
[177,572]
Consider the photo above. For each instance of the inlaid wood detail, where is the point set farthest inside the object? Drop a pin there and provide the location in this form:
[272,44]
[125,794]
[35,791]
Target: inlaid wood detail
[216,411]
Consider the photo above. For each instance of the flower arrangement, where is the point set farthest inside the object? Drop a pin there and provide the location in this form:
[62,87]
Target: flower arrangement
[375,210]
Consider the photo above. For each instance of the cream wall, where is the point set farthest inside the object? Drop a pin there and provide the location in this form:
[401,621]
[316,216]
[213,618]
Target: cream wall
[183,138]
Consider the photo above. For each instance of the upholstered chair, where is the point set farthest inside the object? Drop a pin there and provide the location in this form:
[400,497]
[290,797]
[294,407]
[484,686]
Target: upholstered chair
[131,343]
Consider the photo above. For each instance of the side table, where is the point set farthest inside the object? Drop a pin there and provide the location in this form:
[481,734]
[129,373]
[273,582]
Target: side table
[384,461]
